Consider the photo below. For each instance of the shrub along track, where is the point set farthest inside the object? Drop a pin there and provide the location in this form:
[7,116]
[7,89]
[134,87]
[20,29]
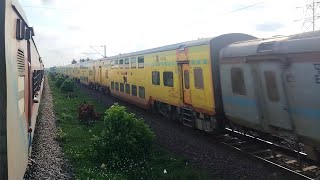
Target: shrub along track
[197,146]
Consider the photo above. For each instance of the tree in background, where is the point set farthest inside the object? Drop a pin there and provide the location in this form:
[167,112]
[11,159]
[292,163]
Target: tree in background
[74,61]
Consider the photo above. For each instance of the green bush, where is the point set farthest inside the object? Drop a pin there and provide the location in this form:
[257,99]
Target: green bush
[125,143]
[67,86]
[59,80]
[52,76]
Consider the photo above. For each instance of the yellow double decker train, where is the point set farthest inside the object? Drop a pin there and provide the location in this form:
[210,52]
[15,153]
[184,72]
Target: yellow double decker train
[255,85]
[181,81]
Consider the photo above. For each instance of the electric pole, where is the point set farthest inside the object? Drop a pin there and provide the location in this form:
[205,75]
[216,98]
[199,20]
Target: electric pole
[311,15]
[104,49]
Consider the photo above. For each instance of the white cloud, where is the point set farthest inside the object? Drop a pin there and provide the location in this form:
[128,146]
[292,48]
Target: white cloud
[67,30]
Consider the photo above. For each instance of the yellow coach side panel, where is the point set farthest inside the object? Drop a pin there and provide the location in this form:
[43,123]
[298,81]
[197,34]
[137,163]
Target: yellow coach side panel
[199,60]
[164,62]
[105,73]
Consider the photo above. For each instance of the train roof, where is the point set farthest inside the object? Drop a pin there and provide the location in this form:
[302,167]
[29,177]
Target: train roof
[20,12]
[16,5]
[298,43]
[175,46]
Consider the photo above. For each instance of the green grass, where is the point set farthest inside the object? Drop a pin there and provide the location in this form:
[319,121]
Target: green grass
[75,139]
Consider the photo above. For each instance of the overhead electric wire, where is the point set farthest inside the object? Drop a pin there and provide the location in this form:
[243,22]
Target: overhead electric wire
[246,7]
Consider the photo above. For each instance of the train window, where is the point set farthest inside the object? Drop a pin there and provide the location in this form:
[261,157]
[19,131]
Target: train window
[186,79]
[155,77]
[112,85]
[271,84]
[121,63]
[134,90]
[198,78]
[133,62]
[126,62]
[106,74]
[121,87]
[141,62]
[168,79]
[128,88]
[117,86]
[237,80]
[112,64]
[90,73]
[116,63]
[141,92]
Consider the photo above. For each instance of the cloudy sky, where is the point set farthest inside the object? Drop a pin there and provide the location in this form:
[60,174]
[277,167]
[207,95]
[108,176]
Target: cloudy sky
[66,28]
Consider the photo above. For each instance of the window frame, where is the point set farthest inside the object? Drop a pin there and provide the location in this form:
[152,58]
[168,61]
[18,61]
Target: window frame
[121,63]
[112,85]
[116,85]
[144,92]
[116,63]
[140,58]
[127,90]
[165,80]
[184,79]
[122,87]
[273,90]
[132,90]
[112,64]
[133,64]
[236,89]
[198,85]
[126,63]
[158,78]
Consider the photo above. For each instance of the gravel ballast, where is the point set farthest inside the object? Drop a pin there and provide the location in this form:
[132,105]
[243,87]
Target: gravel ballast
[47,159]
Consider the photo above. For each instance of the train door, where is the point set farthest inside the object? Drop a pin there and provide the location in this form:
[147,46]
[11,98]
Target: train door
[186,84]
[100,77]
[94,73]
[275,106]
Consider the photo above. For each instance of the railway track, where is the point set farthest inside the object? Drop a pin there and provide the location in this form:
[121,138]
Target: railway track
[279,156]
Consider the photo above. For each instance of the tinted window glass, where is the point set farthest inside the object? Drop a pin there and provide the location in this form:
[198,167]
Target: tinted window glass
[116,63]
[121,63]
[117,86]
[141,92]
[237,81]
[112,85]
[168,79]
[121,87]
[128,88]
[140,62]
[156,77]
[126,62]
[198,78]
[186,79]
[112,64]
[271,84]
[134,90]
[133,62]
